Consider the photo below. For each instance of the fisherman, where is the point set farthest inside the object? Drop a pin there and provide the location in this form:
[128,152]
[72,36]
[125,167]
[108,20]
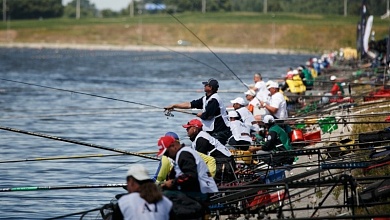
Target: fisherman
[306,77]
[214,115]
[337,88]
[244,114]
[253,102]
[166,164]
[277,106]
[205,143]
[144,201]
[277,140]
[190,175]
[241,138]
[260,88]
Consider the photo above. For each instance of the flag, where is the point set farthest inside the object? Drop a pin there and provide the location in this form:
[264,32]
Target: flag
[362,28]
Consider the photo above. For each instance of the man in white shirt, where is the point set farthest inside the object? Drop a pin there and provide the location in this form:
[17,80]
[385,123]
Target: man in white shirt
[246,116]
[277,106]
[260,88]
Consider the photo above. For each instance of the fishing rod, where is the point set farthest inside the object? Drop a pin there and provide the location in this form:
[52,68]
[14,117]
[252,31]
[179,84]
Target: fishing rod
[94,95]
[77,142]
[342,106]
[60,158]
[346,116]
[40,188]
[81,113]
[76,213]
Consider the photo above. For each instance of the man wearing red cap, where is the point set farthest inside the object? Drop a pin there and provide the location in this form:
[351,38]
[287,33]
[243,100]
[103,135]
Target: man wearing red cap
[214,115]
[190,174]
[206,144]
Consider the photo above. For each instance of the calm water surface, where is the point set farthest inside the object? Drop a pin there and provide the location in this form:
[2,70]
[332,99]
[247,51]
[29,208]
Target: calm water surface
[151,78]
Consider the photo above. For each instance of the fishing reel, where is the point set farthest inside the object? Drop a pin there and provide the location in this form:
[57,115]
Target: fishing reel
[168,113]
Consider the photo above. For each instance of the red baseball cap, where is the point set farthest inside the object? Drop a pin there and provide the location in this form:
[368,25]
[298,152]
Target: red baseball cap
[163,143]
[193,123]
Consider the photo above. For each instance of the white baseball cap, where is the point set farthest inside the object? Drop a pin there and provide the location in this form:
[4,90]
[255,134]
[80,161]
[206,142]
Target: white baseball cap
[268,119]
[233,114]
[332,78]
[238,100]
[272,85]
[138,172]
[250,92]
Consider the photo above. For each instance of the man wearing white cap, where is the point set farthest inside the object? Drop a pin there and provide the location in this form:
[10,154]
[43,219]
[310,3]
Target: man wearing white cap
[145,200]
[240,138]
[244,114]
[277,106]
[253,102]
[277,140]
[337,87]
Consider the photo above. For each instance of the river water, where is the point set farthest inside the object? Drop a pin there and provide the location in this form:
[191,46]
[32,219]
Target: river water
[132,87]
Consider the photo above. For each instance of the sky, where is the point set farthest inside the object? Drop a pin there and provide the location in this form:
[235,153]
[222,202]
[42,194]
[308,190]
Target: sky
[115,5]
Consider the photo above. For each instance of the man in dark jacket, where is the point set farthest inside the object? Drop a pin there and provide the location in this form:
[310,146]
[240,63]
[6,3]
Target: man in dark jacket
[214,115]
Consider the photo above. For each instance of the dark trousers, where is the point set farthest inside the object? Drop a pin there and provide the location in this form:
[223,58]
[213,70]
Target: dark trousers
[222,136]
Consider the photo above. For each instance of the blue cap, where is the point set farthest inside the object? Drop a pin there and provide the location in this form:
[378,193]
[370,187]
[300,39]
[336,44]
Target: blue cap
[172,134]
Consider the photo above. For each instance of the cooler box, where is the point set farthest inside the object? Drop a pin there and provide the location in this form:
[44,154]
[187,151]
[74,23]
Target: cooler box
[273,176]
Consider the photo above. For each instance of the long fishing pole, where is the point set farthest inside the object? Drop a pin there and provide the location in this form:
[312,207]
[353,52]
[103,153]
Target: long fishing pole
[77,142]
[38,188]
[94,95]
[75,213]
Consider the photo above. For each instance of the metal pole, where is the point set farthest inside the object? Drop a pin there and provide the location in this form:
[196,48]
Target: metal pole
[345,8]
[265,7]
[131,8]
[4,10]
[78,9]
[203,6]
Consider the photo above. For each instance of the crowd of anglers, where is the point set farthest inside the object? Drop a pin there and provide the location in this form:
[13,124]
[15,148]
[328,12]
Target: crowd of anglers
[188,175]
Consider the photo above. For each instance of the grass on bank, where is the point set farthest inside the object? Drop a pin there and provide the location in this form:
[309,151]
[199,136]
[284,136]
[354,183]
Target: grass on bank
[233,29]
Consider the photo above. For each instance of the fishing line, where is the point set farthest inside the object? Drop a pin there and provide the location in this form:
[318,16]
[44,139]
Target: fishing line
[94,95]
[200,40]
[114,168]
[60,158]
[198,61]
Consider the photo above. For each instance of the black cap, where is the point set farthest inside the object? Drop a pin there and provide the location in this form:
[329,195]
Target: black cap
[211,82]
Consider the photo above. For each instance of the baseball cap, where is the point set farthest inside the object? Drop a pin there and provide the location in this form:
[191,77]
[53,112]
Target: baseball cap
[163,143]
[333,78]
[268,119]
[233,114]
[193,123]
[272,85]
[238,100]
[138,172]
[212,82]
[250,92]
[172,134]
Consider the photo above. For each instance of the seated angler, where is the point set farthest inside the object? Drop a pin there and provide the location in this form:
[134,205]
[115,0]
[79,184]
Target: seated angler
[189,177]
[205,143]
[240,138]
[277,140]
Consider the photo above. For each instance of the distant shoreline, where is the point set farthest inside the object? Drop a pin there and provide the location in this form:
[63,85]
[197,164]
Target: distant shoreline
[150,48]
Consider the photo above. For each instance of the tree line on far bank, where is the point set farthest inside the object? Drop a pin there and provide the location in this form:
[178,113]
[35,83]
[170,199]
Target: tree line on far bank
[39,9]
